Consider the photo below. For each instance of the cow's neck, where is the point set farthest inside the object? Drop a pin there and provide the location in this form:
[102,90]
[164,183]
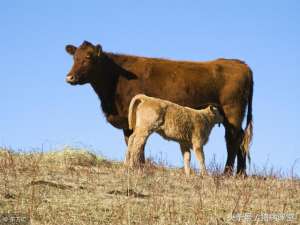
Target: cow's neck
[104,85]
[121,59]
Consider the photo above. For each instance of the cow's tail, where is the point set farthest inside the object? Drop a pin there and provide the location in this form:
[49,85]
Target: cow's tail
[248,133]
[135,101]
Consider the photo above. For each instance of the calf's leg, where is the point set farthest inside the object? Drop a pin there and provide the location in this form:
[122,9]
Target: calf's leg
[198,148]
[136,144]
[186,154]
[128,153]
[127,134]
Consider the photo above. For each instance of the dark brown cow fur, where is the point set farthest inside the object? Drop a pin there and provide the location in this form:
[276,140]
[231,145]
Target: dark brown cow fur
[117,78]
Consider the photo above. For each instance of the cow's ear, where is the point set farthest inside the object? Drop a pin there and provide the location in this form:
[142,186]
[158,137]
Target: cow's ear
[71,49]
[98,50]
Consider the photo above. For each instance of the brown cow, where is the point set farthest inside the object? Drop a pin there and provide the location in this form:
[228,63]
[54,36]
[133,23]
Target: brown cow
[116,78]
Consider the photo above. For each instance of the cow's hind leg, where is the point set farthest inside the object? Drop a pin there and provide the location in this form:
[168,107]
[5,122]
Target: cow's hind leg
[233,136]
[233,141]
[241,156]
[186,154]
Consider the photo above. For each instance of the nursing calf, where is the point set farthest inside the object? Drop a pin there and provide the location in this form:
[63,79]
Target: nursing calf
[189,127]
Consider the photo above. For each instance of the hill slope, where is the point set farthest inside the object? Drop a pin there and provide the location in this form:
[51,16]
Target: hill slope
[76,187]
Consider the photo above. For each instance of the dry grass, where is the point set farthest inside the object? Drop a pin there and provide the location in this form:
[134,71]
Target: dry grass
[76,187]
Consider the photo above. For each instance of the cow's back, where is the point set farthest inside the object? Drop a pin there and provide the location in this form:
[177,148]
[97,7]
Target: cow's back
[192,84]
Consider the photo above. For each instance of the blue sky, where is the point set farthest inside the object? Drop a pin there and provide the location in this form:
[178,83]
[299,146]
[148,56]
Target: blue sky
[39,110]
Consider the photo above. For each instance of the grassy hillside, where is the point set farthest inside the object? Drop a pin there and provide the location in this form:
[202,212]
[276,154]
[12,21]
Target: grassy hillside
[77,187]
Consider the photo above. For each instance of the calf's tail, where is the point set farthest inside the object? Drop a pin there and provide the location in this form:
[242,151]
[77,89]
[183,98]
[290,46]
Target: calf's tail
[135,101]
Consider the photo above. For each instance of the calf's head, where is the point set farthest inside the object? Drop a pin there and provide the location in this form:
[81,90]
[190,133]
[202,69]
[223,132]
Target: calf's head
[85,57]
[215,114]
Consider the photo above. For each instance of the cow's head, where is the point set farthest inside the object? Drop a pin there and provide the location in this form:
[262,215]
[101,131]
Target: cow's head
[85,58]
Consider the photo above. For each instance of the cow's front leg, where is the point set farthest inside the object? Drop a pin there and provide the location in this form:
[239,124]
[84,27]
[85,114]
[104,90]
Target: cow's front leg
[127,133]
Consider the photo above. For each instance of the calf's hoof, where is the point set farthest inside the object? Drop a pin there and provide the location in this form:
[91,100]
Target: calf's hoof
[204,173]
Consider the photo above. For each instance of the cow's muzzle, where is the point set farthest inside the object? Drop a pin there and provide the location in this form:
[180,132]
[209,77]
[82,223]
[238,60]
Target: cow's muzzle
[71,79]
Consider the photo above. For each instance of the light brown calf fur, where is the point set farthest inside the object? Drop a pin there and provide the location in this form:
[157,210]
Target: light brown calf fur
[189,127]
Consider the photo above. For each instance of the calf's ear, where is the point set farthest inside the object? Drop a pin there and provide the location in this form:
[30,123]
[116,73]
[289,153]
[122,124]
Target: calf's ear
[71,49]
